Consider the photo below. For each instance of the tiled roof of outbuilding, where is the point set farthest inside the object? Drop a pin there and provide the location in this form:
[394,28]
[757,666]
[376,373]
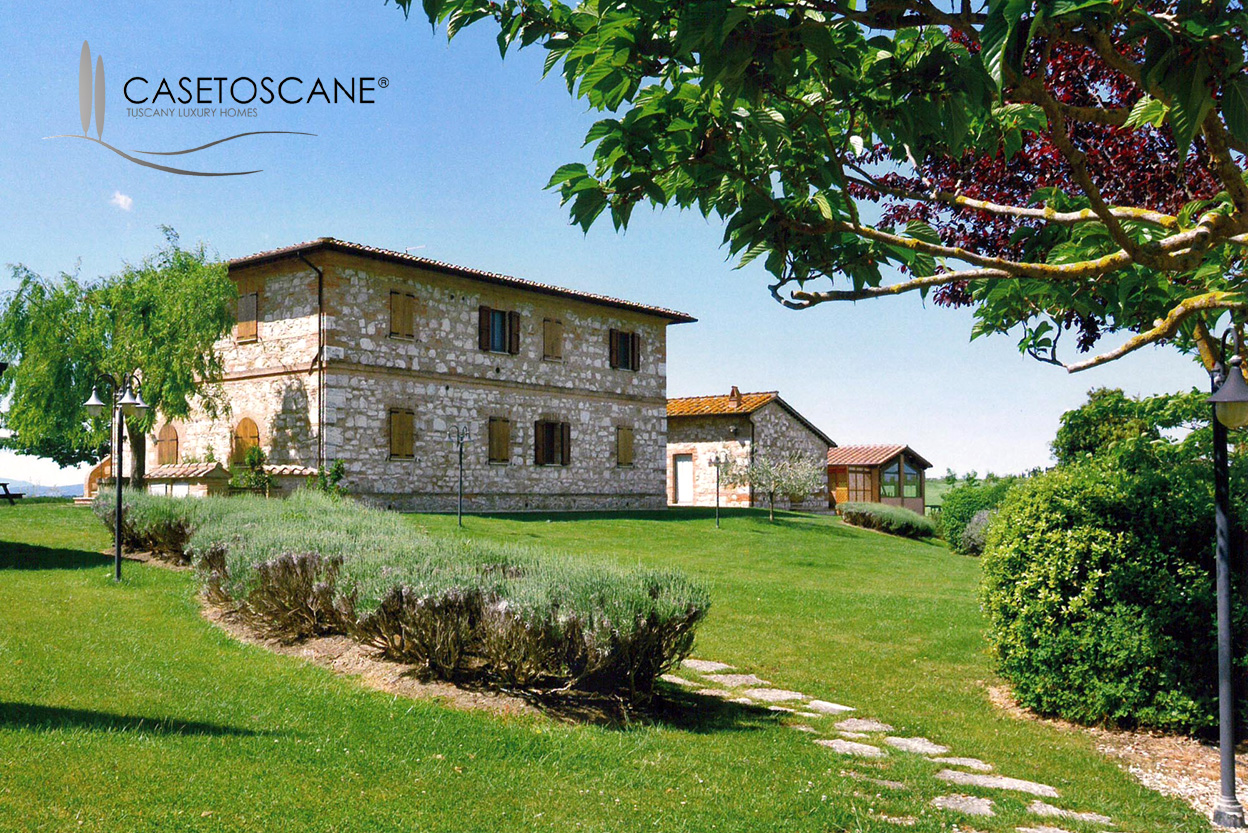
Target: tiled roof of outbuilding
[186,471]
[870,455]
[331,244]
[719,405]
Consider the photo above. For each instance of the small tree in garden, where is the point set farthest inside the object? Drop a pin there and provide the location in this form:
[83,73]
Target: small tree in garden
[793,475]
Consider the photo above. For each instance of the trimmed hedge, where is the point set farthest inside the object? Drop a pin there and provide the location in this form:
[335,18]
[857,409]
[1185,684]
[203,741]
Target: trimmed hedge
[314,564]
[960,507]
[891,519]
[1098,587]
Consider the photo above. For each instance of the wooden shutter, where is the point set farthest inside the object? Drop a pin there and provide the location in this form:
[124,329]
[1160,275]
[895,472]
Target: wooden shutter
[634,350]
[624,445]
[565,443]
[613,347]
[248,312]
[483,327]
[500,440]
[402,434]
[402,313]
[513,332]
[552,339]
[539,443]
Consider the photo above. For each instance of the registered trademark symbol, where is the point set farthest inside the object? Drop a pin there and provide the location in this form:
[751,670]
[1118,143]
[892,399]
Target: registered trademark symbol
[383,82]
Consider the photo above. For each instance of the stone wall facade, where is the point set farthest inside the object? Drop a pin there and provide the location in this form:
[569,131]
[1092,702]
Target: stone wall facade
[770,429]
[441,374]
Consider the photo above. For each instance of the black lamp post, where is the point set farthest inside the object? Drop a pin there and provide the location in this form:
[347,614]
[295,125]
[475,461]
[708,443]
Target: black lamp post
[459,435]
[717,462]
[126,401]
[1230,410]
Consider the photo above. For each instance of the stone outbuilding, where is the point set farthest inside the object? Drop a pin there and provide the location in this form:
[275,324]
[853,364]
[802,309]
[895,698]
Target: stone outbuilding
[735,426]
[350,353]
[891,474]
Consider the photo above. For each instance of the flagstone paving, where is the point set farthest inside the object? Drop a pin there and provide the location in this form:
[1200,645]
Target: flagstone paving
[919,746]
[969,804]
[859,737]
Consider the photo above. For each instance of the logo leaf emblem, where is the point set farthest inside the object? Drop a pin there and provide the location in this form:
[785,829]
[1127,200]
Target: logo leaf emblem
[84,86]
[99,97]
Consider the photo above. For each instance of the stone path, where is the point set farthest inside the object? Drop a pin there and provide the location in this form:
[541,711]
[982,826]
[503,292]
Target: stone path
[870,739]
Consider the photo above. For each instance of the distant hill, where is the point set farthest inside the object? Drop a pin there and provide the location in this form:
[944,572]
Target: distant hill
[31,490]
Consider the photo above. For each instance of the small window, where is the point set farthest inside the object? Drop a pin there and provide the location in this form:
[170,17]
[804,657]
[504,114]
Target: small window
[552,443]
[625,349]
[248,315]
[913,478]
[402,434]
[890,478]
[498,331]
[500,440]
[402,315]
[246,436]
[167,446]
[624,445]
[552,340]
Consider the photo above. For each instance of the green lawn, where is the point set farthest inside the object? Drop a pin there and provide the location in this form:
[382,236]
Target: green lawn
[122,709]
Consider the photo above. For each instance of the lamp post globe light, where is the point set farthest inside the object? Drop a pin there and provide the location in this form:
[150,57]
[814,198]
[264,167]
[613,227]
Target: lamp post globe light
[127,400]
[1230,410]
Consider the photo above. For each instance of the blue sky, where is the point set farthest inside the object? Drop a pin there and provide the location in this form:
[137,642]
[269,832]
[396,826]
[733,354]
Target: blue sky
[450,163]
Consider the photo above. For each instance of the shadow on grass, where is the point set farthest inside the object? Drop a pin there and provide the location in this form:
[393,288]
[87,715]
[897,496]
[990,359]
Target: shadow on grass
[19,556]
[50,718]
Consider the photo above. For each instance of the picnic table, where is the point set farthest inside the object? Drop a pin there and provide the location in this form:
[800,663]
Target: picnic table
[11,497]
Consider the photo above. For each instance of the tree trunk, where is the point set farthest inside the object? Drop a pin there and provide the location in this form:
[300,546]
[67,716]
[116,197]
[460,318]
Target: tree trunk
[138,455]
[771,507]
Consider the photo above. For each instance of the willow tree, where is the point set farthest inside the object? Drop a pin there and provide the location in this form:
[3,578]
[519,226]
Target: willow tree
[1056,164]
[158,318]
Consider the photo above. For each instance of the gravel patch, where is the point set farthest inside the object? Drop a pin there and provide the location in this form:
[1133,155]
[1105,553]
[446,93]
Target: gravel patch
[773,695]
[1039,808]
[919,746]
[705,666]
[969,804]
[863,724]
[848,747]
[736,680]
[966,763]
[996,782]
[828,708]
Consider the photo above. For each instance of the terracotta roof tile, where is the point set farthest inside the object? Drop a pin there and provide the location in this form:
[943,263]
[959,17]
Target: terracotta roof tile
[721,405]
[869,455]
[287,470]
[451,269]
[187,471]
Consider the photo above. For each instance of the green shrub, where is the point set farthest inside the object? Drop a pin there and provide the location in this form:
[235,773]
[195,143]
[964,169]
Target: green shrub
[1098,587]
[315,564]
[891,519]
[963,503]
[159,525]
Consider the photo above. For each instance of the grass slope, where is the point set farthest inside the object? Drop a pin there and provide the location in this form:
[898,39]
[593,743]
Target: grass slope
[122,709]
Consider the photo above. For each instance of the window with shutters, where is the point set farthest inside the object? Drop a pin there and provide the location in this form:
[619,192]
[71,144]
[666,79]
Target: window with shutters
[624,445]
[625,349]
[402,314]
[498,331]
[248,315]
[552,340]
[167,446]
[552,443]
[402,433]
[500,440]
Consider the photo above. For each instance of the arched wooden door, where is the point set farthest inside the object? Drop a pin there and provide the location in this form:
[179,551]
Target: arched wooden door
[246,436]
[167,446]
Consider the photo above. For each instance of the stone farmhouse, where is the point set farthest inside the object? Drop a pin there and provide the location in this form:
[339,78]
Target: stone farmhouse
[737,426]
[368,356]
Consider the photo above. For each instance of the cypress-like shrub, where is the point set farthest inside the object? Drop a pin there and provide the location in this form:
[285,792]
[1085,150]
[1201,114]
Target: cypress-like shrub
[1098,586]
[891,519]
[963,503]
[315,564]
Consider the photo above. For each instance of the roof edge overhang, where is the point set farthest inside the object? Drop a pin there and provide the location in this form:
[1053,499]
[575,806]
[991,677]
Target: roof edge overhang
[332,244]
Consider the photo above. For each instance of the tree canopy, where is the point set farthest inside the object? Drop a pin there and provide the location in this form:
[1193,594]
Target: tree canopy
[1056,164]
[159,318]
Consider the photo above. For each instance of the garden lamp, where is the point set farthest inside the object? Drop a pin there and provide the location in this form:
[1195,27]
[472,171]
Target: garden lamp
[1230,402]
[95,406]
[129,402]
